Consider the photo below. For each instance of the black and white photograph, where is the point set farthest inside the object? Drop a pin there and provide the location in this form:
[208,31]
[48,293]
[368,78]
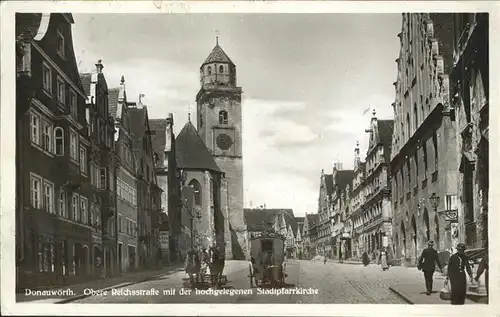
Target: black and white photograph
[157,154]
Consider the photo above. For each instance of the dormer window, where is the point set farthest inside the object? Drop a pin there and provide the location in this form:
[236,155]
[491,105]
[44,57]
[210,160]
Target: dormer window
[60,44]
[223,117]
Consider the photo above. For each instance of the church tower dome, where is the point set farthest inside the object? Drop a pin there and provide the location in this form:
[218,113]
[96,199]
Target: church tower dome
[218,69]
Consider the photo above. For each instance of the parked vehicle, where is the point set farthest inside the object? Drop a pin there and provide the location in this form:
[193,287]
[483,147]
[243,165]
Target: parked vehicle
[267,260]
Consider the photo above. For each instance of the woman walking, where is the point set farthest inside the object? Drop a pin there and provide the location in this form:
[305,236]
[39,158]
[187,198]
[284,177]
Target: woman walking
[366,260]
[383,260]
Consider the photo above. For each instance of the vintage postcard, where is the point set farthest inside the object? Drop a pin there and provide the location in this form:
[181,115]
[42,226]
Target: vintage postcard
[215,158]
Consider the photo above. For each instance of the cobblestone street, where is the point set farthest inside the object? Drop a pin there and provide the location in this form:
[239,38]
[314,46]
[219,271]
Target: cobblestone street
[336,284]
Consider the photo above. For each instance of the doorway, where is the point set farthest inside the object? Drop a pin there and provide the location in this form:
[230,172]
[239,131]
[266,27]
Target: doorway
[120,258]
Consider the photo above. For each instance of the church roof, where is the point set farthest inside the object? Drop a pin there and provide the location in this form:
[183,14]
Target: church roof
[191,151]
[158,138]
[218,55]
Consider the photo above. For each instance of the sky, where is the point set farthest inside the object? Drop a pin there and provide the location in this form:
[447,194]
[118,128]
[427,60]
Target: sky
[307,82]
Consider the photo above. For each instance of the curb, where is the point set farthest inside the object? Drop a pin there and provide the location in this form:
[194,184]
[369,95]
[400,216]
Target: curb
[82,296]
[401,295]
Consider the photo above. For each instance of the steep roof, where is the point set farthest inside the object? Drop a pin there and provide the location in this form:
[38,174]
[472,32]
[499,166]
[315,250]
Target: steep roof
[218,55]
[300,224]
[86,79]
[158,138]
[312,220]
[137,125]
[329,184]
[385,130]
[260,219]
[191,151]
[113,101]
[344,178]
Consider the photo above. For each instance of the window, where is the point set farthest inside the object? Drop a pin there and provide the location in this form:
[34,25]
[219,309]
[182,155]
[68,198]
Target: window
[94,175]
[47,78]
[120,223]
[47,141]
[92,125]
[73,104]
[35,128]
[209,69]
[195,185]
[48,197]
[97,217]
[59,140]
[74,207]
[83,210]
[36,188]
[73,145]
[83,160]
[435,143]
[92,214]
[223,117]
[415,113]
[61,93]
[60,44]
[102,178]
[221,69]
[111,178]
[62,204]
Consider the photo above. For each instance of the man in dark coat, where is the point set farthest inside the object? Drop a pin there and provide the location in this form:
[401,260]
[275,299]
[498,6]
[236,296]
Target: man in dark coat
[456,275]
[427,263]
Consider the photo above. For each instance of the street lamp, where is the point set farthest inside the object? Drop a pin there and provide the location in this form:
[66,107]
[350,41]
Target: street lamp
[434,201]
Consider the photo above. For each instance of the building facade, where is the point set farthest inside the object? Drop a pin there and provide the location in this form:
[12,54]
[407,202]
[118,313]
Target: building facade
[126,182]
[163,141]
[219,121]
[102,168]
[377,208]
[147,187]
[324,244]
[54,228]
[421,164]
[341,180]
[470,91]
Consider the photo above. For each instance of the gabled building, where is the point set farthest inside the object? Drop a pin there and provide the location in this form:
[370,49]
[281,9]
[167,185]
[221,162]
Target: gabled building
[341,179]
[422,166]
[298,237]
[148,191]
[126,181]
[168,178]
[310,235]
[208,216]
[54,228]
[377,208]
[102,170]
[324,212]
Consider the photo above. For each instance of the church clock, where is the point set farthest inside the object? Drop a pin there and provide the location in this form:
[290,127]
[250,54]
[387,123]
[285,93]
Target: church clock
[224,141]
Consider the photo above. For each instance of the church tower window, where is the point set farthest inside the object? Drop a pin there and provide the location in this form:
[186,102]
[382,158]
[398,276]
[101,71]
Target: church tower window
[209,69]
[196,191]
[221,69]
[223,117]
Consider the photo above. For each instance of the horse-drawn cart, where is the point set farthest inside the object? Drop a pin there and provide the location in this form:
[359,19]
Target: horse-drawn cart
[267,260]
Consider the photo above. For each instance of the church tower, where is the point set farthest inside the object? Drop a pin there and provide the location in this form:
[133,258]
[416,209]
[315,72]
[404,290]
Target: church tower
[220,127]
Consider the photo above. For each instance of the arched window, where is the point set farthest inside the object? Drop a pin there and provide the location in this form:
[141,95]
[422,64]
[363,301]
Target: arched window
[223,117]
[415,113]
[209,70]
[59,139]
[408,127]
[62,204]
[221,69]
[196,191]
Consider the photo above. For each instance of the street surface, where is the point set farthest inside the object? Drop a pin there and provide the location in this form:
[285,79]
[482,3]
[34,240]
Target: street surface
[335,283]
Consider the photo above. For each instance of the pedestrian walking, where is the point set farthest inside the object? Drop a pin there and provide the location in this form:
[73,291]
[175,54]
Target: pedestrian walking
[366,259]
[325,261]
[456,275]
[483,267]
[383,260]
[427,263]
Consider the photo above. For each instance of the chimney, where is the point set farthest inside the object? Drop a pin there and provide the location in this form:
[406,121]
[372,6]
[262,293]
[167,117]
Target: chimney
[99,66]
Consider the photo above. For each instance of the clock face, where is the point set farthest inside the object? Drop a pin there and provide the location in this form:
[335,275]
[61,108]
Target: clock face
[224,141]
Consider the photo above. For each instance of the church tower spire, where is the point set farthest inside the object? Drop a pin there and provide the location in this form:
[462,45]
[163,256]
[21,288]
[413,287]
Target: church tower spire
[218,68]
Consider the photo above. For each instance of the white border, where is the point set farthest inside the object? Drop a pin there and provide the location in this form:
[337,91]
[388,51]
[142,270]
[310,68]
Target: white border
[7,126]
